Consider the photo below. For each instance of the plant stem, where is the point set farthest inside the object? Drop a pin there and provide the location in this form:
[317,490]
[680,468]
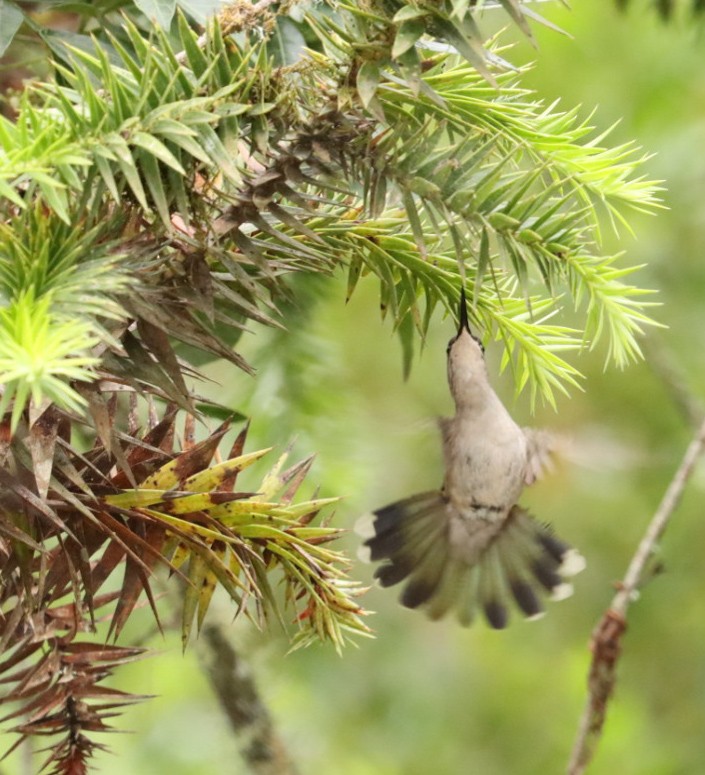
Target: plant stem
[261,747]
[606,638]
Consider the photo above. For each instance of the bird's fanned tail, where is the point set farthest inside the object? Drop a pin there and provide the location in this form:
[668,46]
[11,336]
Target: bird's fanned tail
[484,562]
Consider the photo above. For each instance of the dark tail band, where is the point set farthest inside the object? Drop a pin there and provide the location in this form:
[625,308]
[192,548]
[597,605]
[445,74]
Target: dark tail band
[454,561]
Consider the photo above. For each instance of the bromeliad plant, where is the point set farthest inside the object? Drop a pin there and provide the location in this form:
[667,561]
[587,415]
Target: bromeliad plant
[158,189]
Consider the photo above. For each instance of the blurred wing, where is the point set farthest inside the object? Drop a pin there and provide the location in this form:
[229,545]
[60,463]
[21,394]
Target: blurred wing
[541,446]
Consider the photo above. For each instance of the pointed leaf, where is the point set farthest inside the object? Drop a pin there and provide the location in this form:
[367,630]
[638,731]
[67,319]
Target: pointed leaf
[405,332]
[408,12]
[157,149]
[407,35]
[187,463]
[11,19]
[160,12]
[515,9]
[468,48]
[367,81]
[197,570]
[483,263]
[158,342]
[200,10]
[355,267]
[41,442]
[214,477]
[153,179]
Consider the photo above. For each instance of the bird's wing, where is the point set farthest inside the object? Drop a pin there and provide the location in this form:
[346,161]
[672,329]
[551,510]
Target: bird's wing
[540,446]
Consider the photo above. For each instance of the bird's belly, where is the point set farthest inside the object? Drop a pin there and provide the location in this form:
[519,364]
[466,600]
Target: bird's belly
[489,478]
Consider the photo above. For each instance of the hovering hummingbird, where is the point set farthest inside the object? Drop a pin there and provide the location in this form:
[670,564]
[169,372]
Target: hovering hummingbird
[469,545]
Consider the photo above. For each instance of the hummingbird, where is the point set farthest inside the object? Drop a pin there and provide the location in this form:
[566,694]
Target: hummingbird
[470,546]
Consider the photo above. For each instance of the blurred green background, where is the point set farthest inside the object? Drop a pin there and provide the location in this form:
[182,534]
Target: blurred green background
[430,697]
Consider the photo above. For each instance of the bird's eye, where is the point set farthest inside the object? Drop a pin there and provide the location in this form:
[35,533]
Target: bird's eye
[482,346]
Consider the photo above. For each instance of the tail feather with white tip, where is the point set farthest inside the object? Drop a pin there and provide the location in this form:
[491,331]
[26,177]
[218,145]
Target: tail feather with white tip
[469,561]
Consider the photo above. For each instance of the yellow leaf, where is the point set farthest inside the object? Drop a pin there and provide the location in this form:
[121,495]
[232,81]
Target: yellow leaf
[197,569]
[133,499]
[272,482]
[211,478]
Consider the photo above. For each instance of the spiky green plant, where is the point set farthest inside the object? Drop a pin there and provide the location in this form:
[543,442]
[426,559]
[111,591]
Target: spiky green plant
[160,188]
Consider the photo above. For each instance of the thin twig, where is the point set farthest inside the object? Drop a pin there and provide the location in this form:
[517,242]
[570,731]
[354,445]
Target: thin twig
[661,362]
[260,746]
[606,639]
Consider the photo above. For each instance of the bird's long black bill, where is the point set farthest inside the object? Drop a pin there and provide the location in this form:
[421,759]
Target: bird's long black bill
[463,313]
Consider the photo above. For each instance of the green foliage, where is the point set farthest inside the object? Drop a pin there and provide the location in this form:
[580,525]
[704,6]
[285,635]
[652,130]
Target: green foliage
[10,21]
[250,158]
[39,356]
[58,285]
[158,192]
[97,13]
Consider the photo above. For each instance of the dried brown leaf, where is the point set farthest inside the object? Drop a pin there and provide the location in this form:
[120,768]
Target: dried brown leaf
[157,340]
[41,442]
[294,477]
[33,502]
